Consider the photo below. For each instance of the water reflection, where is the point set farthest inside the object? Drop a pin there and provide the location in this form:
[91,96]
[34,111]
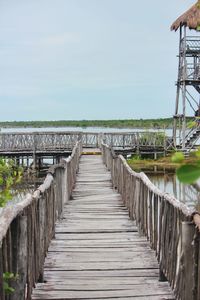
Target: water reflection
[165,179]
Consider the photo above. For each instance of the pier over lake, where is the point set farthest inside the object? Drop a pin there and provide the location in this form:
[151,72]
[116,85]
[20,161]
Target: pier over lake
[94,229]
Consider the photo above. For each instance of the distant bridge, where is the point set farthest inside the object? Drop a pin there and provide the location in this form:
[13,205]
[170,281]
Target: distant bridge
[62,142]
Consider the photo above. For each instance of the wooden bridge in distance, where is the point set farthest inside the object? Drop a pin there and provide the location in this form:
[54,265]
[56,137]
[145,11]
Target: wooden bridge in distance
[61,143]
[91,232]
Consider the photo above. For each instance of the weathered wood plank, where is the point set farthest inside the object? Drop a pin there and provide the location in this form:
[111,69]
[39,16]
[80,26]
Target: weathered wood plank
[100,236]
[106,281]
[154,297]
[65,294]
[105,273]
[101,286]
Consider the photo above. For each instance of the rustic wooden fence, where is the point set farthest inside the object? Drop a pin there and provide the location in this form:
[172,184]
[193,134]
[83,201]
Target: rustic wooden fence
[138,140]
[27,228]
[38,141]
[35,142]
[171,227]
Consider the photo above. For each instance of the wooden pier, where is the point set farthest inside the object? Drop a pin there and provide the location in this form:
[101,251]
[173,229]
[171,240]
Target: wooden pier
[97,252]
[95,229]
[38,145]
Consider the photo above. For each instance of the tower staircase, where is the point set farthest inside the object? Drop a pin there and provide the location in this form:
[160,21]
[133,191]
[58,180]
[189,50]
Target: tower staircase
[192,137]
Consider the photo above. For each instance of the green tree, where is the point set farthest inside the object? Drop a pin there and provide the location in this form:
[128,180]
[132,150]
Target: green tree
[10,174]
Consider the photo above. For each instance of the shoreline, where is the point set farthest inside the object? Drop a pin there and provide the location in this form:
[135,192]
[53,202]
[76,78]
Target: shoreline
[155,124]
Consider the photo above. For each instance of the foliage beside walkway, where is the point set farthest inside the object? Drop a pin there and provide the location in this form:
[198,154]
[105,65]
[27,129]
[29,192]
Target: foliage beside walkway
[10,174]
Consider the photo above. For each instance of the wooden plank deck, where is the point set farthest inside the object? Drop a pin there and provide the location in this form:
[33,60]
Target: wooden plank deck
[97,252]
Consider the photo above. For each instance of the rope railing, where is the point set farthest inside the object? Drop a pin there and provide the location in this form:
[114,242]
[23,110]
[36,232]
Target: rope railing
[172,228]
[27,228]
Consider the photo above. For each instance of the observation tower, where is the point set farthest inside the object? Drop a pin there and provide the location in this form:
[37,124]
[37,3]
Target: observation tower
[187,105]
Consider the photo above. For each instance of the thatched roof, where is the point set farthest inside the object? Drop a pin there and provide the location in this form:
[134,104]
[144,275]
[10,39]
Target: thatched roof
[191,18]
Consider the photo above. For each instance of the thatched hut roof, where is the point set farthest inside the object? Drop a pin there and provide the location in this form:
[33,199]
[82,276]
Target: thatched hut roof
[191,18]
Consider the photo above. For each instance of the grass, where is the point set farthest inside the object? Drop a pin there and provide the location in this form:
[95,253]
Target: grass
[164,162]
[137,162]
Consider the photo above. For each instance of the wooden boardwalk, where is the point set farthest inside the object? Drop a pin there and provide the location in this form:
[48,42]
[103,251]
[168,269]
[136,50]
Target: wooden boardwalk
[97,252]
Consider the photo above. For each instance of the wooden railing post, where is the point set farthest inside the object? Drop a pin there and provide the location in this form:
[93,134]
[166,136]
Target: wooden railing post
[123,143]
[99,139]
[187,262]
[138,143]
[19,256]
[197,261]
[65,198]
[34,150]
[3,141]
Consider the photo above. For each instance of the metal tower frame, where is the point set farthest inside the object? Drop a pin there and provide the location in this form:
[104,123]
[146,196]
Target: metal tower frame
[188,75]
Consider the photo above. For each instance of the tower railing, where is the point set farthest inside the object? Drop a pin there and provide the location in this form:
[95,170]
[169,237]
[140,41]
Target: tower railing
[190,44]
[190,72]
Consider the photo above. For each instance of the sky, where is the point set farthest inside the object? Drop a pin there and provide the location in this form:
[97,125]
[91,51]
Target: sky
[88,59]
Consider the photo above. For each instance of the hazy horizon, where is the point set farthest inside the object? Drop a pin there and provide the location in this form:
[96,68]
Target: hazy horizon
[81,120]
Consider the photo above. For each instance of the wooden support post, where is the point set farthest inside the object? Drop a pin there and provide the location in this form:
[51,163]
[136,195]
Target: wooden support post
[184,116]
[40,163]
[34,161]
[65,188]
[99,140]
[86,140]
[42,235]
[111,142]
[196,264]
[34,151]
[155,155]
[137,144]
[188,231]
[19,250]
[80,136]
[17,160]
[3,141]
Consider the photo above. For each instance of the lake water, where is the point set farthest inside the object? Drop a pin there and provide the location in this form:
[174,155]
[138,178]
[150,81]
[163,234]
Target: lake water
[166,181]
[185,193]
[85,129]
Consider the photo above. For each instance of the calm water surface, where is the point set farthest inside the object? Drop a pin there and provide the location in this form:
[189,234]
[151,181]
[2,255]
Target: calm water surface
[85,129]
[167,181]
